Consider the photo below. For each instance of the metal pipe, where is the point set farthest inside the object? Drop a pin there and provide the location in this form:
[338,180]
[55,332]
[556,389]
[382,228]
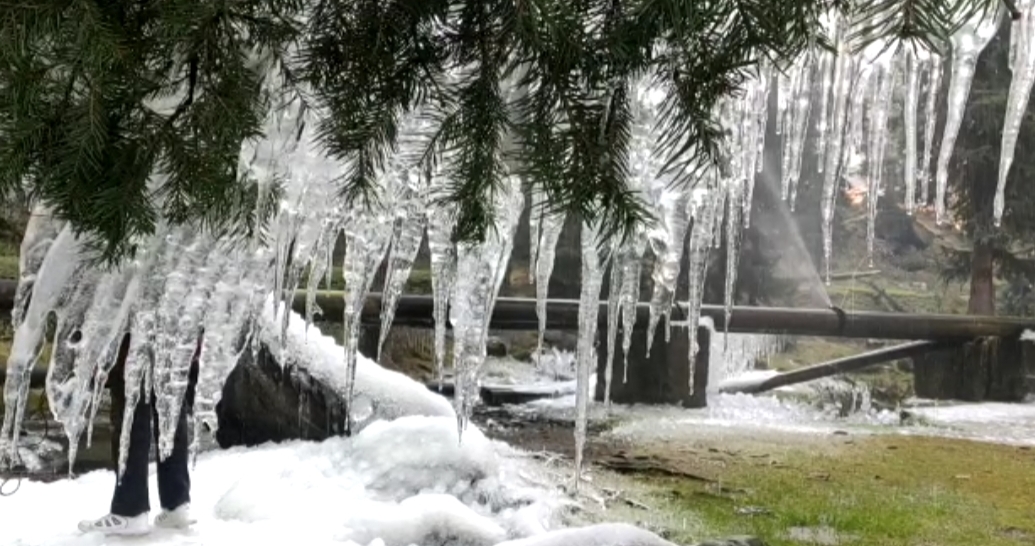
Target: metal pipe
[838,366]
[520,314]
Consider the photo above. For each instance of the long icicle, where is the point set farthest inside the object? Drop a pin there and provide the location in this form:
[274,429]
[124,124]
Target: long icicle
[1022,63]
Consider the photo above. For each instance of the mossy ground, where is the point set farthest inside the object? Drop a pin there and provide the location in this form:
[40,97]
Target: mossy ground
[880,491]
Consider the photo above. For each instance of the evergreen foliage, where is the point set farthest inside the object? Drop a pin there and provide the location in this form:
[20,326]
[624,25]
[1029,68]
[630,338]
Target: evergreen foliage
[118,112]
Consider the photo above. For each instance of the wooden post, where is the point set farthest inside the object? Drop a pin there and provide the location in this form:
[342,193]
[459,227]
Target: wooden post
[661,378]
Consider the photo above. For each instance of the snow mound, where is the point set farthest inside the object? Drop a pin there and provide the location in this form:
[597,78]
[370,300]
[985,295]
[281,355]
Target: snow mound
[408,481]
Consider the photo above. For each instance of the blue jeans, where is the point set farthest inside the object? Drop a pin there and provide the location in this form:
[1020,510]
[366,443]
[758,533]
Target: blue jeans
[131,496]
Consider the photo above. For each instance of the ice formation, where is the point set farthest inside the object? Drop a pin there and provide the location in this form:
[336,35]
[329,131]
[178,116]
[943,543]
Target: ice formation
[185,284]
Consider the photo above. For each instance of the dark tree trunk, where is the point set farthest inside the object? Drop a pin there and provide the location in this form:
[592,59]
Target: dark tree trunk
[982,275]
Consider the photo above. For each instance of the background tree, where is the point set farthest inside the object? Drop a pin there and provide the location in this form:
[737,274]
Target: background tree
[1005,251]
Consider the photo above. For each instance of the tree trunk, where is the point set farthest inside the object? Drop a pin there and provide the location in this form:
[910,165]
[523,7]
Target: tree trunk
[982,289]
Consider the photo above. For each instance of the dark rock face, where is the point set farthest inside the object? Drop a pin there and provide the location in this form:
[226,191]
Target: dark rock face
[263,402]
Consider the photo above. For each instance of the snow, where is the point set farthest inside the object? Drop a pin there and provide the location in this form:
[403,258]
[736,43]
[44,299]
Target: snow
[605,534]
[406,481]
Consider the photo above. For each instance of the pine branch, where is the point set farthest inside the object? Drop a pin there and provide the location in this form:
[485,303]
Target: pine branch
[544,92]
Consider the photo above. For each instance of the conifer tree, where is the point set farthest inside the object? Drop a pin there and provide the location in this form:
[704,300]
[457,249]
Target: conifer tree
[1004,251]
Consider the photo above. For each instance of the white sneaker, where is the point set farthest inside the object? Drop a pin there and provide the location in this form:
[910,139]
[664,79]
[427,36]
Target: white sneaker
[117,525]
[175,519]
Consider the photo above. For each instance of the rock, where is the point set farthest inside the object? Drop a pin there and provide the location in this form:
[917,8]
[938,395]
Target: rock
[734,541]
[496,347]
[302,398]
[264,402]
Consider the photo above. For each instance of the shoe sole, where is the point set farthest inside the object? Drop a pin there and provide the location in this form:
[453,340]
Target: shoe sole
[116,533]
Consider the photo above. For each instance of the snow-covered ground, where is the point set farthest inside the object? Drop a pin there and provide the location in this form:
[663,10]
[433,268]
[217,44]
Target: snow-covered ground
[1012,424]
[407,481]
[775,412]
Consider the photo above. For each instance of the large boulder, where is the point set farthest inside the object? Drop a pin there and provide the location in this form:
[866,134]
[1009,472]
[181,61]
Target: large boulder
[294,388]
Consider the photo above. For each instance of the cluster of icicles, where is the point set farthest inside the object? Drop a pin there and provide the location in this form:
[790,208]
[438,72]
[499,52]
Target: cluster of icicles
[183,281]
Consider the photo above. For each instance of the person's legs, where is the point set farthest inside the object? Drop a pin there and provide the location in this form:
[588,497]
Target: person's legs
[130,502]
[173,472]
[131,495]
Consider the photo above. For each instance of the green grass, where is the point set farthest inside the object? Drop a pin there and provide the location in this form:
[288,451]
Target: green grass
[885,491]
[8,267]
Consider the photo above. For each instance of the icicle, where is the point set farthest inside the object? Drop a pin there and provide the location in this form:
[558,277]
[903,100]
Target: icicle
[144,319]
[550,227]
[794,138]
[614,312]
[239,291]
[623,296]
[967,44]
[406,239]
[831,176]
[854,145]
[704,208]
[319,265]
[734,197]
[877,141]
[786,87]
[482,267]
[367,235]
[754,127]
[108,321]
[1022,63]
[934,84]
[668,239]
[631,263]
[179,321]
[40,233]
[53,287]
[440,222]
[828,63]
[594,261]
[912,90]
[535,219]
